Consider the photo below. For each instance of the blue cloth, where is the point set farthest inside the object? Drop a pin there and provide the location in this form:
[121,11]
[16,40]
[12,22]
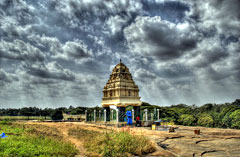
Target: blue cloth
[129,117]
[3,135]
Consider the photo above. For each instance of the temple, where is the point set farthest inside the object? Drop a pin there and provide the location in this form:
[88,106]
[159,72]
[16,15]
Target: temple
[121,91]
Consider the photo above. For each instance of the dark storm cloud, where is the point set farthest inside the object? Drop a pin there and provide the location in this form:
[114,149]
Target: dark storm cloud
[7,77]
[176,71]
[51,70]
[100,8]
[224,15]
[157,37]
[208,52]
[76,49]
[19,50]
[15,17]
[173,11]
[18,9]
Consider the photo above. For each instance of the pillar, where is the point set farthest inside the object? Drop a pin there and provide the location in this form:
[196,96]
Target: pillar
[133,117]
[100,115]
[117,117]
[158,114]
[94,116]
[112,114]
[146,114]
[85,115]
[105,115]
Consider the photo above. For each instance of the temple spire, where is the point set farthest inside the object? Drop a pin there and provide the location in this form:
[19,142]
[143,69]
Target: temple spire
[121,90]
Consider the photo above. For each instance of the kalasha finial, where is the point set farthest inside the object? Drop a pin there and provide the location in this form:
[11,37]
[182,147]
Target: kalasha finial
[120,60]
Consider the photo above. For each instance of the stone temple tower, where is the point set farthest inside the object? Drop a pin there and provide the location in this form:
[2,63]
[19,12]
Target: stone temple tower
[121,90]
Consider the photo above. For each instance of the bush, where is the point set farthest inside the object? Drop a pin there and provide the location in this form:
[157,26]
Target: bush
[187,119]
[205,120]
[113,143]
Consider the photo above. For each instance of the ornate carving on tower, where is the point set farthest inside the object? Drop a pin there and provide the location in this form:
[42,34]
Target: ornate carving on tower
[121,89]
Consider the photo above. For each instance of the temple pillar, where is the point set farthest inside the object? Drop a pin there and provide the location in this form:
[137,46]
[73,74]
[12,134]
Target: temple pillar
[117,117]
[146,114]
[85,115]
[133,117]
[99,114]
[94,116]
[158,114]
[107,113]
[112,115]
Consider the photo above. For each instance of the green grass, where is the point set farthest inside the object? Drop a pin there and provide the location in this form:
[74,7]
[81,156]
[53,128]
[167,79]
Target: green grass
[24,141]
[23,118]
[113,143]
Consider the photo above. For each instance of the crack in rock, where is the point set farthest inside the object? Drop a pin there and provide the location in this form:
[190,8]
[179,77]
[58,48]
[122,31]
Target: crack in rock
[202,141]
[209,151]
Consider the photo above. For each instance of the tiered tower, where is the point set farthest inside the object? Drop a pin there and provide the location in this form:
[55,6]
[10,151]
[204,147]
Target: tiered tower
[121,90]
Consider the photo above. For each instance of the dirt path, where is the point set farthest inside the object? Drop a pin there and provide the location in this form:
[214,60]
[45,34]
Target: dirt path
[64,128]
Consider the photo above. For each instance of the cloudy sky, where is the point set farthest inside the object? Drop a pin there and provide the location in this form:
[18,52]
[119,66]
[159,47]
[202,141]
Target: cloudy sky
[60,53]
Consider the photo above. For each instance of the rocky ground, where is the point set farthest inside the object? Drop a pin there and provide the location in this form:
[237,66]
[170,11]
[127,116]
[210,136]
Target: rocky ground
[183,142]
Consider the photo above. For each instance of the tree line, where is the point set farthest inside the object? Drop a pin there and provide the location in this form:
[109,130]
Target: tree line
[209,115]
[46,112]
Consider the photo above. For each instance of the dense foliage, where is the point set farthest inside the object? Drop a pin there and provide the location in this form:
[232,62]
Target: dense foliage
[209,115]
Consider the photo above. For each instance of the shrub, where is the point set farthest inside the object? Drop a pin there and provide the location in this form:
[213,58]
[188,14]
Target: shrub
[113,143]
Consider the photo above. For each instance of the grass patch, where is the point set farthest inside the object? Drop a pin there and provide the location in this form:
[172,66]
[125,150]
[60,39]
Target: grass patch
[36,140]
[113,143]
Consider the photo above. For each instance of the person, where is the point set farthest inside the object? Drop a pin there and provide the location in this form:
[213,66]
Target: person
[138,122]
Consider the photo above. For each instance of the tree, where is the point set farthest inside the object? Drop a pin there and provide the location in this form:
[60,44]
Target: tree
[226,121]
[46,112]
[57,115]
[205,120]
[216,118]
[26,112]
[235,119]
[186,119]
